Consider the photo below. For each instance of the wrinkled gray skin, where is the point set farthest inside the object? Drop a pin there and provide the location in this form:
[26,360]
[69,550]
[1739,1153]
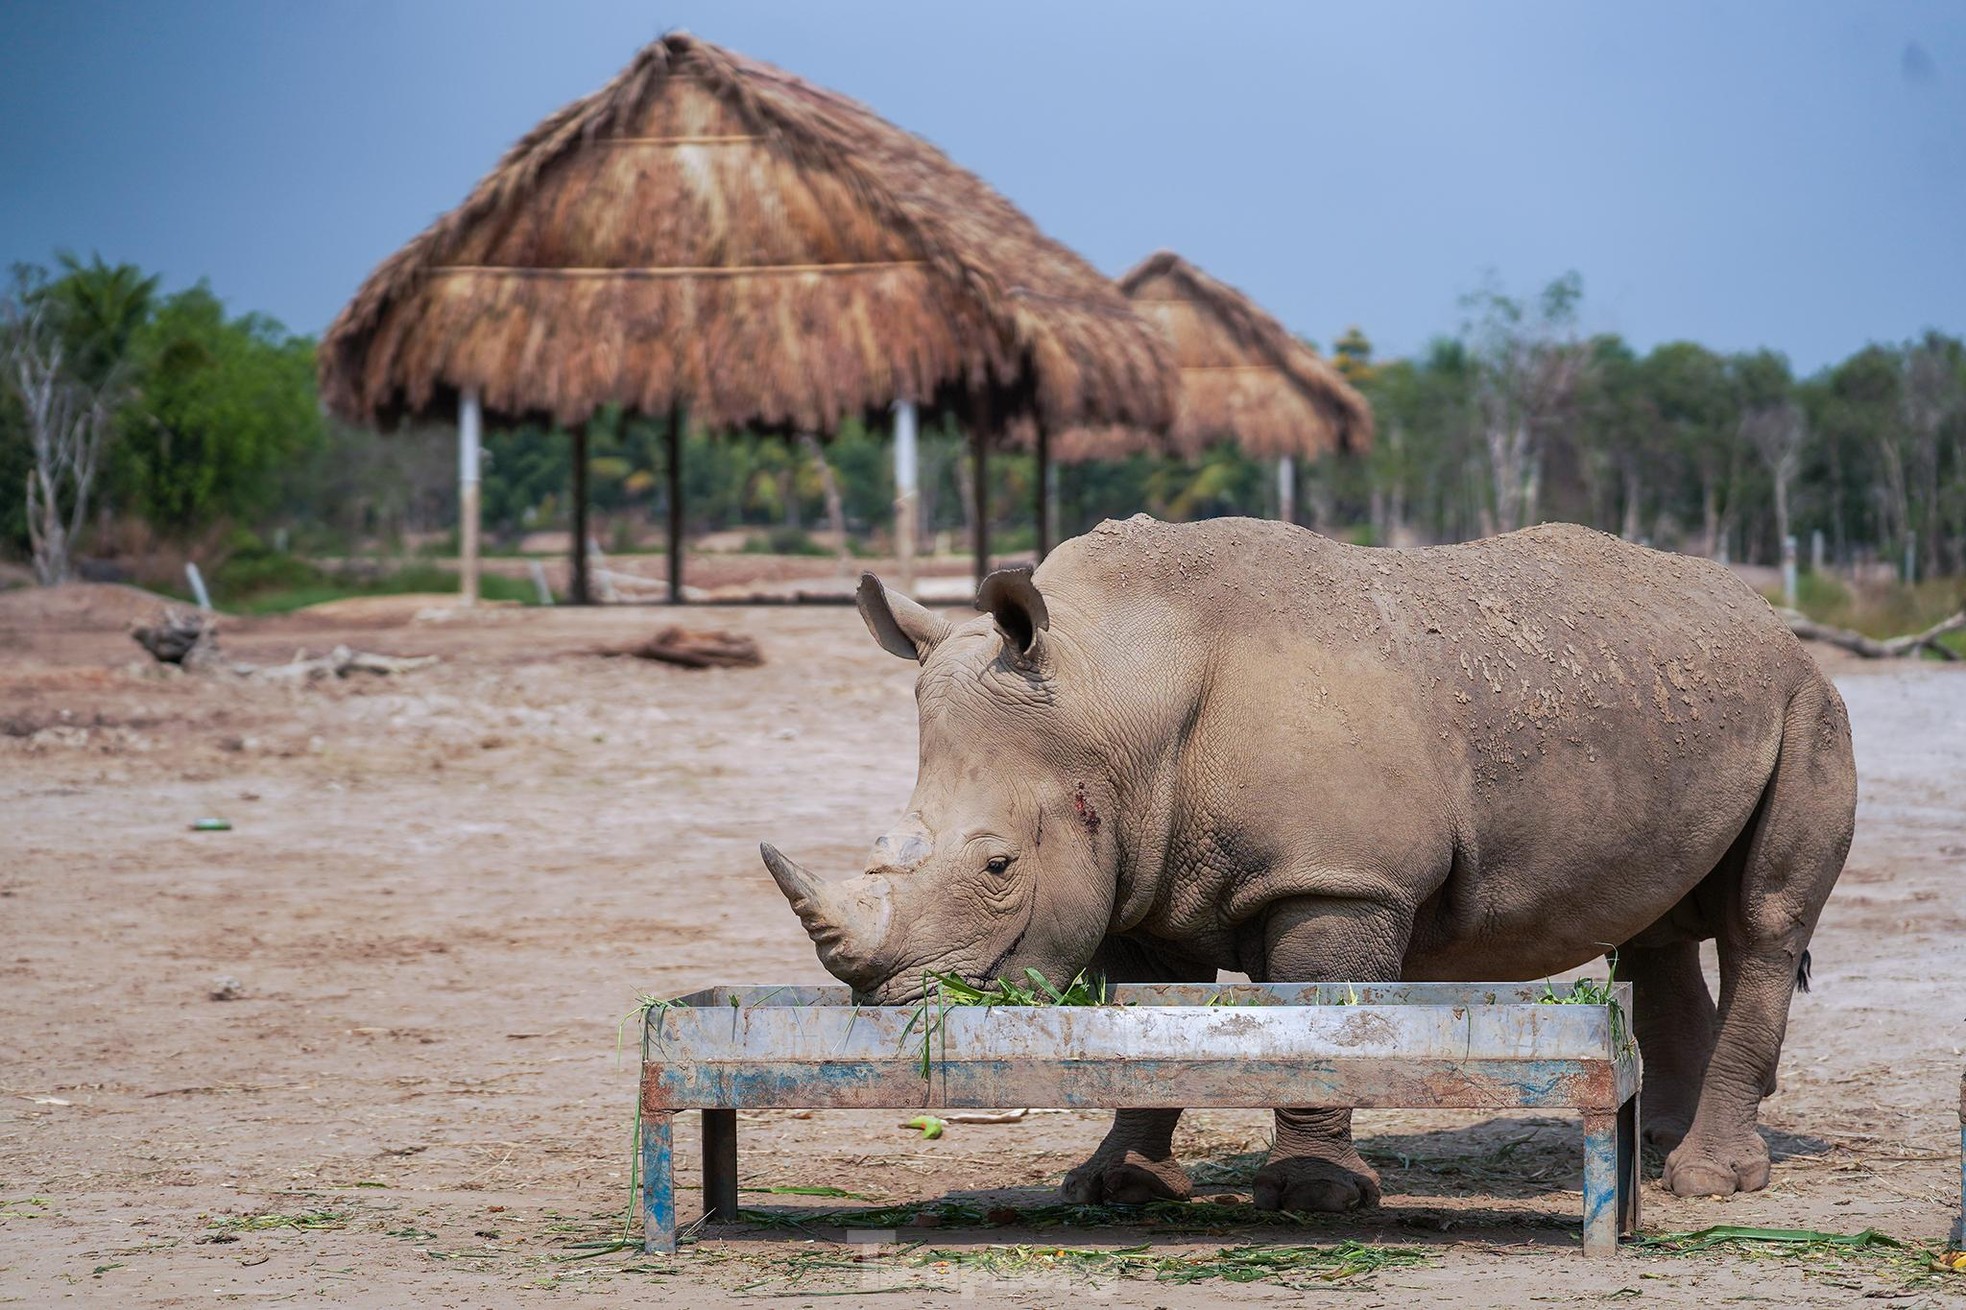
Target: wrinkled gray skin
[1239,745]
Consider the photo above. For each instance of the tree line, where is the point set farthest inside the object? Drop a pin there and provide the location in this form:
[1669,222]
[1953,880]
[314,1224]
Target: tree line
[132,422]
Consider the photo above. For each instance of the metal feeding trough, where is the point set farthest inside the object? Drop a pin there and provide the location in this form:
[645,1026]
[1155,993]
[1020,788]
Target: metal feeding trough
[1474,1046]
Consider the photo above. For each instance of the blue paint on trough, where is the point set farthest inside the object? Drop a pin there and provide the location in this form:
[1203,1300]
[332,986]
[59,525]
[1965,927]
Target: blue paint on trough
[658,1182]
[1484,1046]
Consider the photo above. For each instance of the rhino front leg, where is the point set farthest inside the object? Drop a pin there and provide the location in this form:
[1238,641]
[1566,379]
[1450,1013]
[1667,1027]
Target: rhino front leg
[1314,1165]
[1135,1164]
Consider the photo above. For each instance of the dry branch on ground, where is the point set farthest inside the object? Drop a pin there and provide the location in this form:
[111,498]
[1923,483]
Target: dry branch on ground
[189,639]
[696,649]
[337,663]
[1871,647]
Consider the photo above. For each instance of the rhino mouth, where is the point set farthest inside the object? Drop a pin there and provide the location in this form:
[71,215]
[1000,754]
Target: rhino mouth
[910,984]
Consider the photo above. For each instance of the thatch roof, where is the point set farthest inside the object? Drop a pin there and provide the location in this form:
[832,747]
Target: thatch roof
[1244,378]
[710,231]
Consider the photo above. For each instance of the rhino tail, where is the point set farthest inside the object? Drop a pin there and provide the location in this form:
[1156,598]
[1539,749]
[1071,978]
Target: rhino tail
[1802,973]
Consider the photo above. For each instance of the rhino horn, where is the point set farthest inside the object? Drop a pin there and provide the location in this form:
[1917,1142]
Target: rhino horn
[809,895]
[844,926]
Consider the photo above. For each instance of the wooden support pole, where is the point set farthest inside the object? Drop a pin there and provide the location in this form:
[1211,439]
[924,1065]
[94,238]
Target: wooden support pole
[1287,488]
[675,472]
[980,471]
[907,494]
[577,592]
[1044,489]
[470,439]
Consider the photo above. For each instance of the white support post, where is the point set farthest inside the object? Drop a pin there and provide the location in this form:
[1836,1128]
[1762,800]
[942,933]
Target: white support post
[470,436]
[1788,571]
[907,497]
[1287,488]
[197,581]
[602,573]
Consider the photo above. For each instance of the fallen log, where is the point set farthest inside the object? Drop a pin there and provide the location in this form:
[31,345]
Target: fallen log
[696,649]
[1871,648]
[337,663]
[189,638]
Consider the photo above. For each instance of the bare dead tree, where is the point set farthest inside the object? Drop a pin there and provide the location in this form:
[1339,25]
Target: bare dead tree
[1528,365]
[1933,393]
[68,423]
[1776,432]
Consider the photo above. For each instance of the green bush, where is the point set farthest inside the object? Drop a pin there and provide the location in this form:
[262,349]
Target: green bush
[1817,593]
[255,573]
[785,541]
[279,584]
[1887,610]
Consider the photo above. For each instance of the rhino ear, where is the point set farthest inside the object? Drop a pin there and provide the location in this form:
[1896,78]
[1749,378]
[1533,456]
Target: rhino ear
[900,625]
[1011,598]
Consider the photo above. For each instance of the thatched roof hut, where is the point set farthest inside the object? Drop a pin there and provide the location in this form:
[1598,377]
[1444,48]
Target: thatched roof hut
[710,233]
[1243,376]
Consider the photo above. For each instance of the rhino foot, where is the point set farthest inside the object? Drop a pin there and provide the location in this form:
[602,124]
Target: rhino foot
[1703,1167]
[1308,1182]
[1125,1177]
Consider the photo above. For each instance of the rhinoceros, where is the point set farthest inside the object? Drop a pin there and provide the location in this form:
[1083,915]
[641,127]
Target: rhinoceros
[1238,745]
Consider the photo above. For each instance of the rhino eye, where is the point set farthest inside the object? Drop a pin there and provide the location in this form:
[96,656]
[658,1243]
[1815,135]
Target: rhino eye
[999,864]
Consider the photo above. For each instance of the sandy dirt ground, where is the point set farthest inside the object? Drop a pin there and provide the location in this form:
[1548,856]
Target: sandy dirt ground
[442,892]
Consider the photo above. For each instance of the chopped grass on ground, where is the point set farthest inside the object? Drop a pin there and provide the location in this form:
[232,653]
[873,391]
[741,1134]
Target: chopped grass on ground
[1166,1216]
[1800,1239]
[1295,1267]
[1889,1256]
[1230,1264]
[831,1193]
[306,1220]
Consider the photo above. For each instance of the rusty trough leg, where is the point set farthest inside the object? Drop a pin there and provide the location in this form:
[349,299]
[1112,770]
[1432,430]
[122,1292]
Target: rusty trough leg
[1630,1168]
[720,1166]
[658,1182]
[1601,1182]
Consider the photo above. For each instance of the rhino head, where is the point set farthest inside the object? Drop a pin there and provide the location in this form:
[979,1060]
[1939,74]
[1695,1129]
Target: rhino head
[1000,863]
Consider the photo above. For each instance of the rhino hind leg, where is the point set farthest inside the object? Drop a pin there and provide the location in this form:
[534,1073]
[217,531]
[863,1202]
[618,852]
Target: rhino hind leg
[1314,1164]
[1794,849]
[1676,1023]
[1135,1163]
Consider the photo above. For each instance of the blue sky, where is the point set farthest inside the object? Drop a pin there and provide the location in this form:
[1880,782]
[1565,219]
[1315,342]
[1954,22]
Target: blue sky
[1787,174]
